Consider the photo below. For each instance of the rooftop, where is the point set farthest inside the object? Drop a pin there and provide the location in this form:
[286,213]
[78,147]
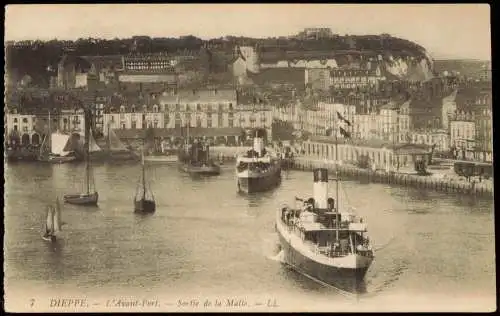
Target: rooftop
[372,143]
[295,76]
[193,96]
[179,132]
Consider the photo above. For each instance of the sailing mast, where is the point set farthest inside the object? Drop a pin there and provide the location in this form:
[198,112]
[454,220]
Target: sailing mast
[336,181]
[143,173]
[46,139]
[87,159]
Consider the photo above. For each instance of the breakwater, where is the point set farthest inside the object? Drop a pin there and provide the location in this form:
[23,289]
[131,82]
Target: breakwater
[483,189]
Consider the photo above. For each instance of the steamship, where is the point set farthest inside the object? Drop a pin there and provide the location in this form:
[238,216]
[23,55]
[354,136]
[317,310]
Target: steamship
[195,159]
[257,170]
[323,242]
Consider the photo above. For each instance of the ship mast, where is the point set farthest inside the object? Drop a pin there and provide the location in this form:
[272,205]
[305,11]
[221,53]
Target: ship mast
[336,181]
[87,159]
[143,173]
[49,136]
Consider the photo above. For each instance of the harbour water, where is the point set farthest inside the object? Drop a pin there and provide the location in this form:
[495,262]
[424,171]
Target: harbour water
[434,251]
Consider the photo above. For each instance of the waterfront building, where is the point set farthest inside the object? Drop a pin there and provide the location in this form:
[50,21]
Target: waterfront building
[20,128]
[72,121]
[209,113]
[395,121]
[135,117]
[439,138]
[320,120]
[449,109]
[379,154]
[367,126]
[484,129]
[462,135]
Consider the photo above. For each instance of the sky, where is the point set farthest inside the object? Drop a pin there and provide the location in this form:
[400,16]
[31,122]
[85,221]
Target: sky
[445,30]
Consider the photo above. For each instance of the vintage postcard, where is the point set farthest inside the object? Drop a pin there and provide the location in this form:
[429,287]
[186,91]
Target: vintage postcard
[248,157]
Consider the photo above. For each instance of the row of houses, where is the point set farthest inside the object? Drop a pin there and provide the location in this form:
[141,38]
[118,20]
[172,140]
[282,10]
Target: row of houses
[210,109]
[465,130]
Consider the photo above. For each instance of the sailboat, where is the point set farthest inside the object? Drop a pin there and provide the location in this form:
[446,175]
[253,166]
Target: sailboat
[56,153]
[53,222]
[110,149]
[116,150]
[90,195]
[143,203]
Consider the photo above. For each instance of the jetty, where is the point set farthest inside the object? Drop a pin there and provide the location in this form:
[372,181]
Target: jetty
[483,189]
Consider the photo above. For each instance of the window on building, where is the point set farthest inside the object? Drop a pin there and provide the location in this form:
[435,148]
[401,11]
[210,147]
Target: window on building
[178,121]
[123,125]
[220,120]
[209,123]
[177,107]
[198,107]
[134,124]
[230,106]
[155,108]
[198,121]
[155,124]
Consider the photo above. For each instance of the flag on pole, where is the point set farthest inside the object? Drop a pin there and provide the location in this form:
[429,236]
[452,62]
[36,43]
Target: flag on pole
[343,118]
[344,133]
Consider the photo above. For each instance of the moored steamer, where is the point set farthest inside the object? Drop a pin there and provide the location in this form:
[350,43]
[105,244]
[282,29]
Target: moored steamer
[194,158]
[257,170]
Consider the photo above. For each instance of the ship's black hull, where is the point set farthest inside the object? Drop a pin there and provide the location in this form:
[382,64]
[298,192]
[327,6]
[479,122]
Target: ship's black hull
[265,182]
[144,206]
[82,199]
[21,155]
[350,280]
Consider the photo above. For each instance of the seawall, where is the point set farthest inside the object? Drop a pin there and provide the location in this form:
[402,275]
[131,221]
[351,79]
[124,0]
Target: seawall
[482,189]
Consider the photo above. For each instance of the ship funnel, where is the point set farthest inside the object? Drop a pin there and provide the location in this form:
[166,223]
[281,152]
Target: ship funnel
[258,142]
[320,188]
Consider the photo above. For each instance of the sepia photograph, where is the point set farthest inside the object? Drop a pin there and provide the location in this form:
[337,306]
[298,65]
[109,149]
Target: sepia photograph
[248,158]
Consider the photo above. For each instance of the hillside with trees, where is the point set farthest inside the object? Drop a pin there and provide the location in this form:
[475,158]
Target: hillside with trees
[39,59]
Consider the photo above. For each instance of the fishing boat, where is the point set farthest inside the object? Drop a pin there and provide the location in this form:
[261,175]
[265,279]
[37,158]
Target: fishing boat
[144,201]
[257,170]
[194,158]
[110,149]
[52,148]
[89,195]
[53,222]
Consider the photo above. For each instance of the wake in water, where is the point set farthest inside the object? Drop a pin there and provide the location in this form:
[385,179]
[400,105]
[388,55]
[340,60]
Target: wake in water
[280,257]
[271,247]
[381,247]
